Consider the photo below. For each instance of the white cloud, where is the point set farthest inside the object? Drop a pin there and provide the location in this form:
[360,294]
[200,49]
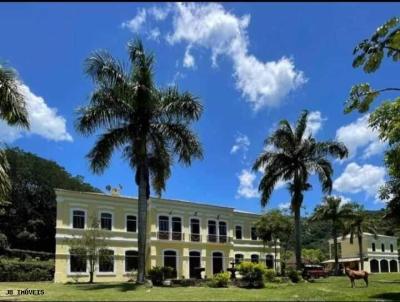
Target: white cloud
[242,142]
[356,179]
[246,185]
[44,120]
[188,59]
[135,24]
[284,206]
[359,135]
[262,84]
[343,198]
[154,34]
[314,122]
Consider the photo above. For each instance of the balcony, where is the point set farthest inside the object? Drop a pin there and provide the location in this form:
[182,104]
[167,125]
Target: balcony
[217,239]
[195,237]
[166,235]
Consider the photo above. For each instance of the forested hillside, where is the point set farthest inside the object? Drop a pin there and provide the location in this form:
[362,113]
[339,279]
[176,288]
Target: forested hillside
[29,219]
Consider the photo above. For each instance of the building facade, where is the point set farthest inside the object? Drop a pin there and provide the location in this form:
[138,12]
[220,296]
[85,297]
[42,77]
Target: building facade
[196,240]
[380,253]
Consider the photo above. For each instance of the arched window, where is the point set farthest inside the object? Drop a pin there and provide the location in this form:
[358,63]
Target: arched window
[254,258]
[163,227]
[384,266]
[253,233]
[238,258]
[131,223]
[393,266]
[269,261]
[194,264]
[77,261]
[176,228]
[373,246]
[391,248]
[131,261]
[374,264]
[218,262]
[383,247]
[78,219]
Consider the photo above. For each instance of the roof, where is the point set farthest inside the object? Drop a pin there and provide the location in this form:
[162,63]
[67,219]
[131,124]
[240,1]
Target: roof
[156,199]
[341,260]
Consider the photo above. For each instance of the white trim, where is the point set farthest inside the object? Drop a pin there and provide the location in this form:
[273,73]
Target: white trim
[176,259]
[126,222]
[71,218]
[67,236]
[105,211]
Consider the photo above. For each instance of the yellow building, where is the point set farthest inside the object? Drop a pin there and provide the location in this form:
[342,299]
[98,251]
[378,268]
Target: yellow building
[197,240]
[380,253]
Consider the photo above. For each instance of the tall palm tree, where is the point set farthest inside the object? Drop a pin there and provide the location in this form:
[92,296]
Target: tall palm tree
[291,155]
[332,209]
[13,112]
[150,125]
[356,227]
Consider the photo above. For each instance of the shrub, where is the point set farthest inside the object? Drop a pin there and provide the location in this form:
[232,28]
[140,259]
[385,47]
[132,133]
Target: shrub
[294,275]
[219,280]
[32,270]
[253,274]
[158,274]
[269,275]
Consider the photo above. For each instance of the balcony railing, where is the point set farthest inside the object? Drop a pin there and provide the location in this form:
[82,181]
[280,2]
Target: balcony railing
[195,237]
[166,235]
[216,238]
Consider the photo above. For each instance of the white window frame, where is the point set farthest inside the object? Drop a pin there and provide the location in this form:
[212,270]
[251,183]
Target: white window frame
[126,222]
[71,218]
[170,216]
[69,273]
[112,219]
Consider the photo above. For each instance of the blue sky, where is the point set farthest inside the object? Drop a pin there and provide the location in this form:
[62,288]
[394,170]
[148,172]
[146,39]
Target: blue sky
[250,64]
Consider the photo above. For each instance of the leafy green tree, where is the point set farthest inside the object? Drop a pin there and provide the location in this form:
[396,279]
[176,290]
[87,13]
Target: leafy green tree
[150,125]
[90,244]
[274,226]
[290,154]
[356,226]
[369,55]
[13,112]
[313,256]
[333,210]
[30,220]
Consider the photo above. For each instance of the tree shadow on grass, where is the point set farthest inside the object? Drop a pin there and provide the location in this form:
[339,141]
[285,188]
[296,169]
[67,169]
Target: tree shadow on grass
[387,296]
[387,281]
[123,286]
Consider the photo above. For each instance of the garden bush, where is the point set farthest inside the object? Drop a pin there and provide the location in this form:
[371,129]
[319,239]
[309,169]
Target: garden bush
[219,280]
[253,274]
[158,274]
[270,275]
[294,275]
[30,270]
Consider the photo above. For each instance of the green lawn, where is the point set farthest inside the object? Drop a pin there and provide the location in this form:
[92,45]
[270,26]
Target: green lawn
[382,287]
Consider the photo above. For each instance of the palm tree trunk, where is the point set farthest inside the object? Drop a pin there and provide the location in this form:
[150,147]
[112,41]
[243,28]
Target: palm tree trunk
[360,246]
[142,222]
[297,229]
[335,250]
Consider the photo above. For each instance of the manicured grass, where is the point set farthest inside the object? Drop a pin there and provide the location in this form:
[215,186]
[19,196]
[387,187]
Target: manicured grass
[382,287]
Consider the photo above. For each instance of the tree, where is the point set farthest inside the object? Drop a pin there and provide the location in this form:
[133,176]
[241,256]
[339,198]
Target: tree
[369,55]
[312,256]
[333,210]
[274,226]
[13,112]
[150,125]
[356,226]
[30,220]
[89,246]
[291,155]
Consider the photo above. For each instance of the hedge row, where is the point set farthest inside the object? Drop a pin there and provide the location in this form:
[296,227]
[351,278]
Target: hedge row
[31,270]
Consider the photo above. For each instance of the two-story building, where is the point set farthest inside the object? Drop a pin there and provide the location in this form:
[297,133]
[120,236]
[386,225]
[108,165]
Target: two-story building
[195,239]
[380,253]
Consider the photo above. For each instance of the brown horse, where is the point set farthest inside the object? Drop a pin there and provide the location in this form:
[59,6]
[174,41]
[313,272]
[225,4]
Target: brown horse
[356,275]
